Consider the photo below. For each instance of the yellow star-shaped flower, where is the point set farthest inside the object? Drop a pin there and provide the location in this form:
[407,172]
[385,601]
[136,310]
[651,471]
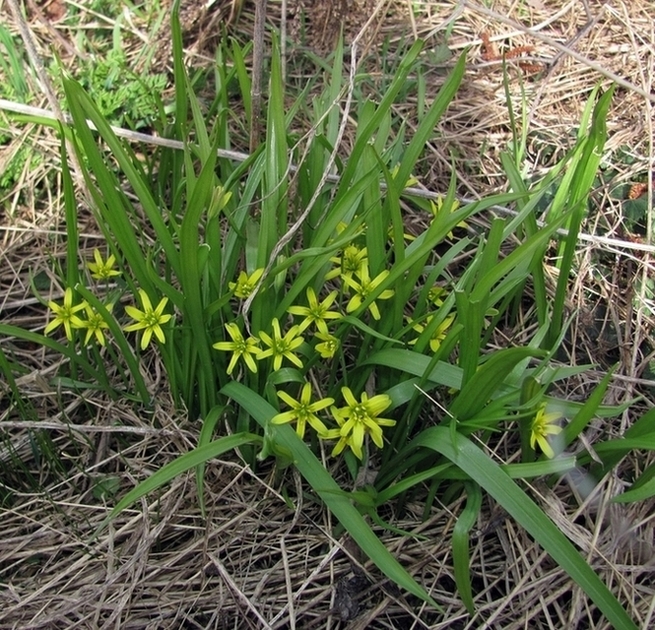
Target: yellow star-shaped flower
[239,347]
[544,425]
[357,419]
[281,347]
[65,315]
[149,319]
[303,411]
[366,287]
[316,312]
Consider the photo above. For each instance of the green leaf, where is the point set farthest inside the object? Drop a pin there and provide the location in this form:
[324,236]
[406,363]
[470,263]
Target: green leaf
[275,182]
[417,364]
[642,427]
[366,133]
[358,323]
[624,445]
[471,315]
[70,205]
[587,412]
[643,492]
[185,462]
[584,168]
[461,560]
[116,204]
[202,378]
[327,488]
[208,425]
[467,456]
[179,72]
[529,470]
[425,130]
[489,378]
[68,351]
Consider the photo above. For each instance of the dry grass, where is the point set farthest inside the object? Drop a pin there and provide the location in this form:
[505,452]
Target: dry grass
[258,561]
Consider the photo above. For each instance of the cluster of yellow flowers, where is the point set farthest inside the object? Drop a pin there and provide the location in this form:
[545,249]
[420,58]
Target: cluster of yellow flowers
[355,420]
[149,320]
[358,418]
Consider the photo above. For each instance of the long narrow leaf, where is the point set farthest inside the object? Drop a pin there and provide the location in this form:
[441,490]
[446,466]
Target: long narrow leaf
[274,182]
[208,425]
[463,453]
[588,411]
[83,108]
[285,438]
[488,379]
[461,558]
[185,462]
[640,493]
[68,351]
[427,126]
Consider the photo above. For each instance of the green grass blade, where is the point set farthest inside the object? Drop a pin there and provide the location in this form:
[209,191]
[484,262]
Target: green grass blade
[488,378]
[111,205]
[342,210]
[70,352]
[587,412]
[70,206]
[208,425]
[641,428]
[5,369]
[624,445]
[367,132]
[463,453]
[82,108]
[285,438]
[640,493]
[470,314]
[274,183]
[191,279]
[530,470]
[461,559]
[185,462]
[243,78]
[531,228]
[426,128]
[179,74]
[520,259]
[417,364]
[586,168]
